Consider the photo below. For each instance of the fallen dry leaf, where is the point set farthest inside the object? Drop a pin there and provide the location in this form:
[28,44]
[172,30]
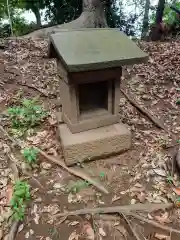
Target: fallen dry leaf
[163,218]
[161,236]
[73,236]
[102,232]
[115,198]
[177,191]
[38,138]
[141,197]
[87,231]
[133,201]
[20,228]
[160,172]
[9,193]
[74,223]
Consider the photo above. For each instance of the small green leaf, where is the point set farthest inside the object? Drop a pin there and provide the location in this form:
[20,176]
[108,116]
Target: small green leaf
[102,175]
[21,195]
[178,101]
[26,116]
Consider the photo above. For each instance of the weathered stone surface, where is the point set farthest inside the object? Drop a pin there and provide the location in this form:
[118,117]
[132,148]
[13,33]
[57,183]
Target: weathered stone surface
[59,117]
[95,143]
[92,49]
[78,121]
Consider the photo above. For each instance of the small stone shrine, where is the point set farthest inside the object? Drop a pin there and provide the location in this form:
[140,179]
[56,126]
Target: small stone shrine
[89,64]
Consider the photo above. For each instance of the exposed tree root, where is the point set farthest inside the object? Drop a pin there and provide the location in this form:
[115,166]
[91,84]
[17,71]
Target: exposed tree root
[92,16]
[75,172]
[13,230]
[15,224]
[126,209]
[145,112]
[155,224]
[175,164]
[60,163]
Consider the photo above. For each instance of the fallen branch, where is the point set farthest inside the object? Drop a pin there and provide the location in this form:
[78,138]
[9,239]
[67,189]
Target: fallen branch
[145,112]
[126,209]
[76,172]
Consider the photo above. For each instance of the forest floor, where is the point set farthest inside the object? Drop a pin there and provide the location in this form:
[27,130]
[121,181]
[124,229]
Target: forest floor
[139,175]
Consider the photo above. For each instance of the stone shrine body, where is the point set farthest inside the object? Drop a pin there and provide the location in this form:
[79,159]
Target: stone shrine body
[90,67]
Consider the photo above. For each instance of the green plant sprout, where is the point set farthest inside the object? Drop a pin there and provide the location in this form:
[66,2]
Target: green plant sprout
[77,186]
[178,101]
[29,114]
[102,175]
[21,195]
[30,154]
[169,179]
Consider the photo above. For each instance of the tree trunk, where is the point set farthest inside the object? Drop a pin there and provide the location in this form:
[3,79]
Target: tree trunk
[92,16]
[159,12]
[37,15]
[145,26]
[156,32]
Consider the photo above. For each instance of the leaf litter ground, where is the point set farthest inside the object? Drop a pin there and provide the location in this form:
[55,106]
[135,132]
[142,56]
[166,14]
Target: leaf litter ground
[138,175]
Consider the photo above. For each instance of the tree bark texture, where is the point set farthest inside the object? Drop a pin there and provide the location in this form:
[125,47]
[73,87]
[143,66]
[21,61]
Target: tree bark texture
[36,12]
[145,26]
[92,16]
[160,10]
[157,29]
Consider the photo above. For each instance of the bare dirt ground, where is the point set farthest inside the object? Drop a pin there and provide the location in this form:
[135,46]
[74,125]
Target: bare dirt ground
[137,176]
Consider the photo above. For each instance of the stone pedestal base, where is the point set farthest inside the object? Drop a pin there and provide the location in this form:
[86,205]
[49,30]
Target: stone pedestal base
[95,143]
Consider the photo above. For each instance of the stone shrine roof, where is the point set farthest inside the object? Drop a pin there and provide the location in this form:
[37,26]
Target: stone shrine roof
[95,48]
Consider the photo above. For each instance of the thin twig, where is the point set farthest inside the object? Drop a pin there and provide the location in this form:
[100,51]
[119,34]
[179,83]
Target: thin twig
[15,142]
[131,227]
[33,178]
